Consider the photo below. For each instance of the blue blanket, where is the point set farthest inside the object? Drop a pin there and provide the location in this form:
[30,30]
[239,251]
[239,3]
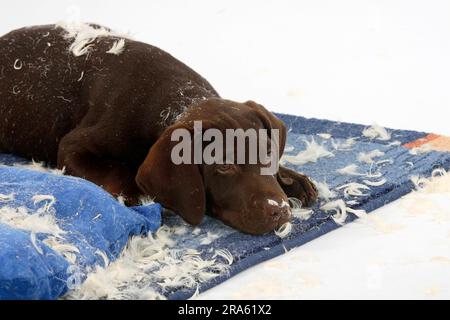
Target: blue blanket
[97,225]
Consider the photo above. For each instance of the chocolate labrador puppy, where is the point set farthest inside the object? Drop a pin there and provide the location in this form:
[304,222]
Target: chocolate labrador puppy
[103,107]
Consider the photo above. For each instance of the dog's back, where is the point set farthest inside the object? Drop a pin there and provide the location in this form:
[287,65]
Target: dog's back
[39,99]
[53,79]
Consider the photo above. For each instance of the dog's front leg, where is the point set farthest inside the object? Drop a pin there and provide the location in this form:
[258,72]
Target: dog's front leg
[297,185]
[82,154]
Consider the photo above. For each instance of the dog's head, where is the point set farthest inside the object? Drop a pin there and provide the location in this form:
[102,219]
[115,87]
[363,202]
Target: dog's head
[235,192]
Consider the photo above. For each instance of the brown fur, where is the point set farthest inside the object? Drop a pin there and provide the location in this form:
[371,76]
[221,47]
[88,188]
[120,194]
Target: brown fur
[108,119]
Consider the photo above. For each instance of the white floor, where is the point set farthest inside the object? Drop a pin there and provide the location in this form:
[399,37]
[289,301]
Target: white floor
[359,61]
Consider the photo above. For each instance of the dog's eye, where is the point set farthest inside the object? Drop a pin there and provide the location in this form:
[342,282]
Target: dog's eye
[225,168]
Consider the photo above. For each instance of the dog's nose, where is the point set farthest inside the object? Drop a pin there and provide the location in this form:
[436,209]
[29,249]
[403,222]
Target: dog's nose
[276,214]
[278,210]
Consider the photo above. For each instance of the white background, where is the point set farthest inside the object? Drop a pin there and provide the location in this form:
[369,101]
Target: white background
[359,61]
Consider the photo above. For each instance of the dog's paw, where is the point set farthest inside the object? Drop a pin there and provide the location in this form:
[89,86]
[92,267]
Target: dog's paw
[310,194]
[298,186]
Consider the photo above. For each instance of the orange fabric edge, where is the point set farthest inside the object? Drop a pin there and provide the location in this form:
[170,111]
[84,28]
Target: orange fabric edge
[420,142]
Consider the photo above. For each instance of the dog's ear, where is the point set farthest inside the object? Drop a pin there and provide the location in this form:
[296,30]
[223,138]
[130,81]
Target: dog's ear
[270,121]
[176,187]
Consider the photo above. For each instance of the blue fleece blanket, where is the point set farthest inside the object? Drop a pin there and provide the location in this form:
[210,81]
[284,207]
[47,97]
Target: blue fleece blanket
[95,223]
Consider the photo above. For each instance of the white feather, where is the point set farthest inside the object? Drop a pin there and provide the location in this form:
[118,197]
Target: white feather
[81,76]
[49,199]
[439,172]
[297,211]
[6,197]
[104,257]
[341,210]
[81,47]
[325,136]
[34,243]
[40,167]
[324,191]
[351,170]
[117,48]
[359,213]
[344,146]
[146,200]
[381,162]
[377,132]
[151,261]
[225,254]
[395,143]
[41,221]
[84,35]
[375,183]
[274,203]
[289,148]
[121,199]
[368,157]
[312,153]
[371,174]
[284,230]
[210,237]
[420,150]
[196,294]
[65,249]
[354,189]
[18,64]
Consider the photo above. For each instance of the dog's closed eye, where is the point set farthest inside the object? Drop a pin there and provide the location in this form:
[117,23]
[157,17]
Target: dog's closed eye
[226,169]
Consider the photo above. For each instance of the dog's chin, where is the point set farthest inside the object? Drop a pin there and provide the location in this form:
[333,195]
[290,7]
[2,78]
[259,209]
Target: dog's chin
[254,226]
